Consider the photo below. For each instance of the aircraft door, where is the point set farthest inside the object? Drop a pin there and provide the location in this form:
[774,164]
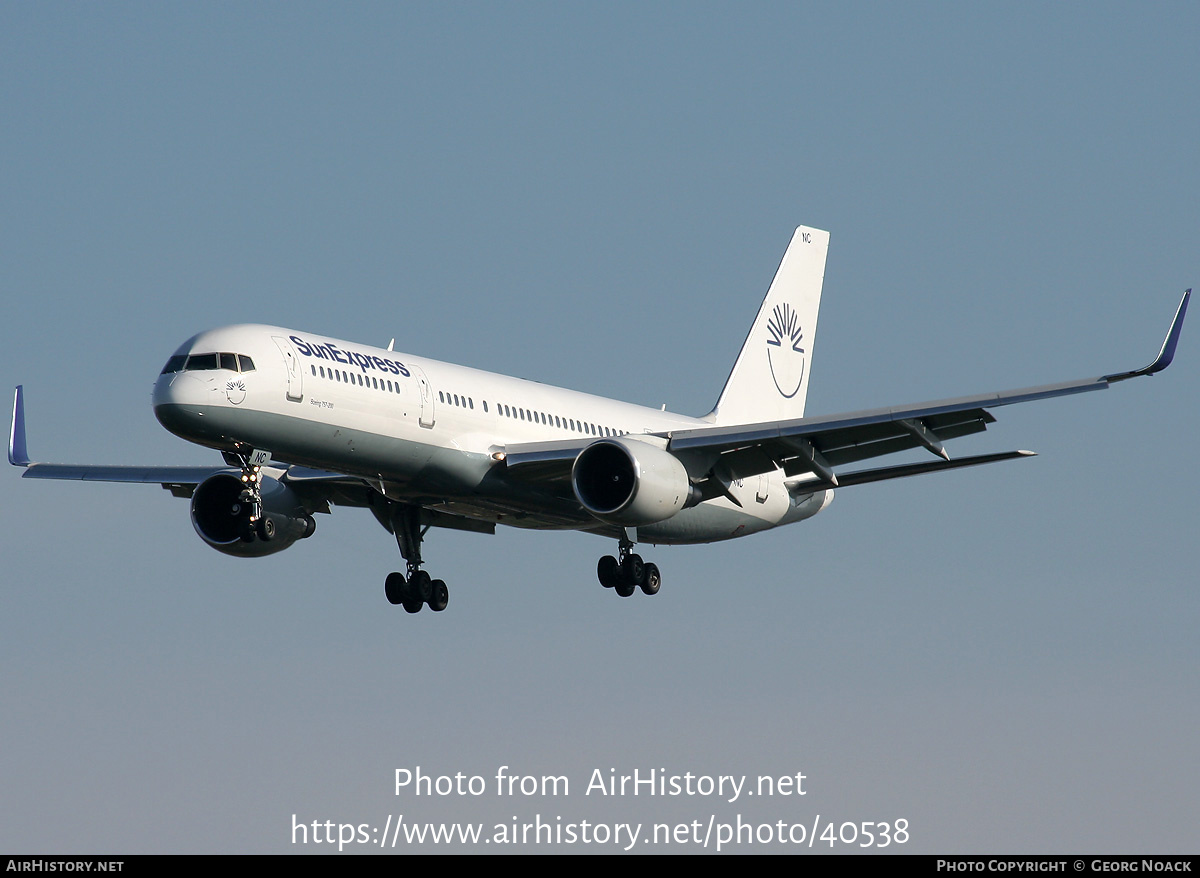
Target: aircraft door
[427,413]
[295,375]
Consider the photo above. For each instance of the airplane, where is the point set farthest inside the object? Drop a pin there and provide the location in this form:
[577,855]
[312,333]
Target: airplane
[305,422]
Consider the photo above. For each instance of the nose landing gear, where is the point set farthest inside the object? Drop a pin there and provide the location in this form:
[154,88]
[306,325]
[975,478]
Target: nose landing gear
[249,506]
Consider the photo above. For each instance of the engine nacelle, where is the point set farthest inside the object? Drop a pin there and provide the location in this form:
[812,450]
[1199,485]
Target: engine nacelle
[629,482]
[219,516]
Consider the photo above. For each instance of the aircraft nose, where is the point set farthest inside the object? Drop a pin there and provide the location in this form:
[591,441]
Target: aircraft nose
[178,397]
[172,389]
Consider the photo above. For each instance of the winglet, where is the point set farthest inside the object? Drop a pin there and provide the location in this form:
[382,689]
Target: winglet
[1167,353]
[18,454]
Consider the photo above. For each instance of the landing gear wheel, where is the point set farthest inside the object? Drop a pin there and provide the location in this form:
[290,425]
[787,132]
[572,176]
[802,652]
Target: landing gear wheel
[651,579]
[625,589]
[634,570]
[608,571]
[440,596]
[265,529]
[421,586]
[413,605]
[394,587]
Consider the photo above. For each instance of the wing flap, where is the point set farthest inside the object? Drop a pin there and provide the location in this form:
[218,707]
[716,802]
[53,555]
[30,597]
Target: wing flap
[869,425]
[554,452]
[850,447]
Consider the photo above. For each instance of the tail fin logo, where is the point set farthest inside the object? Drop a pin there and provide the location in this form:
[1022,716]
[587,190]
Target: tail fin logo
[784,354]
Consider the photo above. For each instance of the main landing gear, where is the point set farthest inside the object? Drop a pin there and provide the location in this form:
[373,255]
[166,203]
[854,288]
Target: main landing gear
[248,506]
[419,588]
[627,572]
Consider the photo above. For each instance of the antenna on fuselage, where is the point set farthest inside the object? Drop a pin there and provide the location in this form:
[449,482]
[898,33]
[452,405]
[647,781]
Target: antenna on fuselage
[391,344]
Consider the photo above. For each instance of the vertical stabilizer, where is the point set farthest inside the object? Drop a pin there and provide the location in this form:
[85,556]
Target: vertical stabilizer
[769,381]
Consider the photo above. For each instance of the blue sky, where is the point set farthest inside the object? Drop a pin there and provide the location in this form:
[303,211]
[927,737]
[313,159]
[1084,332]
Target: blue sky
[596,195]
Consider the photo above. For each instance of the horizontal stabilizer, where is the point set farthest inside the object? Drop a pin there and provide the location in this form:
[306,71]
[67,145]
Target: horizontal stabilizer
[862,477]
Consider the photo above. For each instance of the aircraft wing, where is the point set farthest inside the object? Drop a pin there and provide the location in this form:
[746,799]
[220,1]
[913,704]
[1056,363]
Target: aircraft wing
[179,480]
[815,446]
[318,488]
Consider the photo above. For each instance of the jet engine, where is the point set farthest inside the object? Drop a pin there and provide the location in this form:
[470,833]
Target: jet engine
[629,482]
[222,519]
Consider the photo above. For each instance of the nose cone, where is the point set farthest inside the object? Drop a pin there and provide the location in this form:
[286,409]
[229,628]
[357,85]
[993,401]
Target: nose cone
[162,394]
[180,400]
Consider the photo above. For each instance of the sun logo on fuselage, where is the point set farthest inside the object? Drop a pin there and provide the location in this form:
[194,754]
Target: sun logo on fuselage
[784,354]
[235,391]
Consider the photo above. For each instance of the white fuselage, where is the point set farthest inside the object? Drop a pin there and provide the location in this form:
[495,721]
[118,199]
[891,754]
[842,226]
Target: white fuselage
[428,431]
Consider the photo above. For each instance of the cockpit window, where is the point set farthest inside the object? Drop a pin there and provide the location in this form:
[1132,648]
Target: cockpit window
[206,362]
[175,364]
[201,362]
